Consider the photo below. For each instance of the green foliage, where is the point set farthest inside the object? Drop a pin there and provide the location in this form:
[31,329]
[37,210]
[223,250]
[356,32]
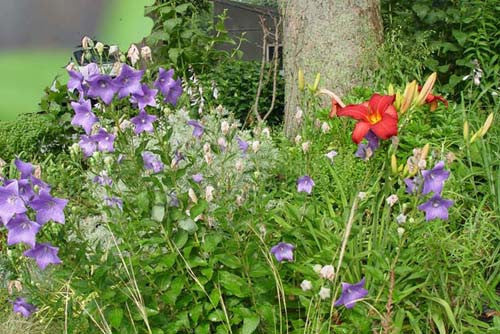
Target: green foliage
[453,38]
[237,82]
[184,37]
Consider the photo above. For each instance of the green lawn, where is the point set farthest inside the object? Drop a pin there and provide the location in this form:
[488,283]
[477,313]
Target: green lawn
[25,73]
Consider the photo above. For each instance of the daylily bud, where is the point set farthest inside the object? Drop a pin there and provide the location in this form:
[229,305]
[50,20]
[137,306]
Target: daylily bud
[316,83]
[87,43]
[301,80]
[390,90]
[426,89]
[114,50]
[209,193]
[146,53]
[394,164]
[192,195]
[133,54]
[100,48]
[408,96]
[486,126]
[466,130]
[425,152]
[475,136]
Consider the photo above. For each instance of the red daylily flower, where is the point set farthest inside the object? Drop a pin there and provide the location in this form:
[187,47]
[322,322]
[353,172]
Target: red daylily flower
[377,115]
[433,100]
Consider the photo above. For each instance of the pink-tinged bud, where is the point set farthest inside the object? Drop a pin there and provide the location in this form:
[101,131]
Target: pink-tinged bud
[209,193]
[114,50]
[133,54]
[192,195]
[146,54]
[87,43]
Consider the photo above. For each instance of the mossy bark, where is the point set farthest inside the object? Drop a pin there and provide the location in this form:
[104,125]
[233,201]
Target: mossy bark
[336,38]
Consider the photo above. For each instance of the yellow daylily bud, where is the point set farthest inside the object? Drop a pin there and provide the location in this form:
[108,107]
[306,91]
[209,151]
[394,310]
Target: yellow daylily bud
[466,130]
[429,84]
[302,82]
[400,168]
[316,82]
[390,89]
[486,126]
[406,170]
[399,100]
[475,136]
[425,151]
[394,164]
[408,96]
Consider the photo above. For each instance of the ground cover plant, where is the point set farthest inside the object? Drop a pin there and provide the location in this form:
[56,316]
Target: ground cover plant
[163,214]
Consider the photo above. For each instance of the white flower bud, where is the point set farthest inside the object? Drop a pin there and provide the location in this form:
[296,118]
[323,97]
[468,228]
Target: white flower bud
[362,195]
[262,229]
[239,200]
[192,195]
[327,272]
[401,218]
[114,50]
[324,293]
[125,124]
[116,69]
[133,54]
[87,43]
[255,146]
[108,160]
[206,148]
[325,128]
[146,54]
[305,146]
[391,200]
[317,123]
[224,127]
[222,143]
[239,166]
[209,193]
[306,285]
[99,48]
[298,139]
[317,268]
[401,231]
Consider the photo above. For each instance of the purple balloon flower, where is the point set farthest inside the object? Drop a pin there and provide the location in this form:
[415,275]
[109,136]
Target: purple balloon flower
[305,184]
[25,168]
[88,145]
[75,81]
[243,145]
[198,129]
[89,70]
[21,229]
[373,141]
[103,179]
[48,208]
[152,162]
[102,86]
[351,293]
[198,177]
[128,82]
[11,202]
[84,116]
[40,184]
[147,97]
[436,207]
[283,251]
[21,306]
[365,150]
[44,254]
[105,141]
[113,202]
[26,190]
[170,89]
[143,122]
[434,179]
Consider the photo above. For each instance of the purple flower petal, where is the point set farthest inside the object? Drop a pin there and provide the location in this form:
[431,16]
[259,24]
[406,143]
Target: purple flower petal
[170,89]
[305,184]
[21,306]
[434,179]
[25,168]
[147,97]
[128,82]
[436,208]
[351,293]
[22,230]
[102,86]
[152,162]
[105,141]
[143,122]
[198,129]
[44,254]
[11,202]
[84,116]
[283,251]
[48,208]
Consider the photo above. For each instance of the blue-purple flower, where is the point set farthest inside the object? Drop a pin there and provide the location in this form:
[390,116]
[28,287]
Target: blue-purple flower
[11,202]
[105,141]
[48,208]
[143,122]
[305,184]
[283,251]
[21,306]
[351,293]
[25,168]
[152,162]
[197,177]
[170,89]
[243,145]
[113,202]
[435,208]
[147,97]
[128,82]
[75,81]
[89,70]
[44,254]
[88,145]
[198,129]
[365,150]
[84,116]
[26,189]
[102,86]
[434,179]
[22,230]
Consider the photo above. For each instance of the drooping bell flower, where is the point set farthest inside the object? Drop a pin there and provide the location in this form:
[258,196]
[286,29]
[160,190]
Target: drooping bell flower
[152,162]
[305,184]
[21,229]
[170,89]
[88,145]
[105,141]
[352,293]
[377,115]
[434,179]
[84,116]
[432,100]
[44,254]
[22,307]
[436,207]
[128,82]
[143,122]
[198,129]
[75,81]
[102,86]
[283,251]
[89,70]
[11,202]
[25,168]
[48,208]
[197,177]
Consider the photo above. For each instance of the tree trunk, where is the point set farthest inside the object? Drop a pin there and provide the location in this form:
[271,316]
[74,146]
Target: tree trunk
[336,38]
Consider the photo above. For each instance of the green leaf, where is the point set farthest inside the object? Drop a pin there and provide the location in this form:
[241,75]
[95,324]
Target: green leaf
[460,36]
[420,9]
[180,238]
[447,309]
[198,208]
[174,291]
[216,316]
[173,54]
[234,284]
[115,317]
[158,213]
[182,8]
[250,324]
[211,242]
[188,225]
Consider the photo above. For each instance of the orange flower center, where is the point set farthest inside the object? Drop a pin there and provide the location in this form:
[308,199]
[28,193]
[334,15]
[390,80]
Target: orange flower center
[374,118]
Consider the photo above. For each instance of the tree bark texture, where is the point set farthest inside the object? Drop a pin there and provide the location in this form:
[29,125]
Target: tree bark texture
[336,38]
